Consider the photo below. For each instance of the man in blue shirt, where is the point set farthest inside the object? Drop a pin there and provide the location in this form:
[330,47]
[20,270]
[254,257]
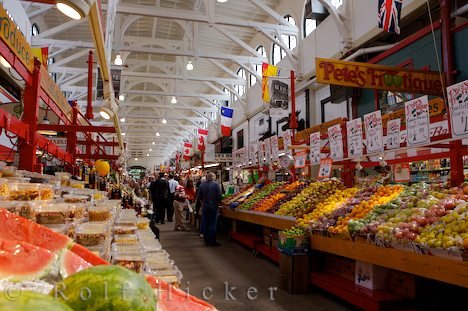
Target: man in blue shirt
[209,194]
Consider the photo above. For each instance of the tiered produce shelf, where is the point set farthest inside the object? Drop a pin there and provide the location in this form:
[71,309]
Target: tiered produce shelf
[259,218]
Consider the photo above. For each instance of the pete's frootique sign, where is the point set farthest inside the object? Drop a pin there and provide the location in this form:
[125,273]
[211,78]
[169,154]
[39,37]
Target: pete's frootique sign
[379,77]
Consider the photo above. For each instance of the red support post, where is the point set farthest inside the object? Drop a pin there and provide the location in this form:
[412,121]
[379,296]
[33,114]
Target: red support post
[31,109]
[89,107]
[71,136]
[293,120]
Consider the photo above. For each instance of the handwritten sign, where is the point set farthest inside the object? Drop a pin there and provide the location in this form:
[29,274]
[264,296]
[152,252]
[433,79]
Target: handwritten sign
[261,154]
[354,137]
[325,168]
[287,141]
[314,148]
[417,121]
[458,104]
[336,142]
[401,173]
[267,146]
[374,135]
[300,160]
[274,148]
[393,134]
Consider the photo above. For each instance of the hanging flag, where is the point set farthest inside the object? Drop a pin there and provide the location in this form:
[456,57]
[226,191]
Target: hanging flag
[389,15]
[187,151]
[226,120]
[202,137]
[267,72]
[42,54]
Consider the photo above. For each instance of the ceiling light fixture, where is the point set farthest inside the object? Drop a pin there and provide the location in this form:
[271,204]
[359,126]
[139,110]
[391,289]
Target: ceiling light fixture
[6,64]
[174,100]
[147,154]
[123,133]
[150,149]
[106,111]
[157,134]
[75,9]
[189,65]
[121,97]
[221,1]
[164,121]
[45,120]
[122,120]
[136,159]
[153,143]
[118,60]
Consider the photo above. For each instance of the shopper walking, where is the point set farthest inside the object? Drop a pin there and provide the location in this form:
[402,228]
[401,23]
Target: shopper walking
[210,197]
[172,187]
[191,195]
[198,206]
[160,196]
[180,202]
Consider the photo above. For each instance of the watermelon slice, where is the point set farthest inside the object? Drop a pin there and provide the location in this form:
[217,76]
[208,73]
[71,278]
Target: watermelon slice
[71,263]
[17,228]
[21,261]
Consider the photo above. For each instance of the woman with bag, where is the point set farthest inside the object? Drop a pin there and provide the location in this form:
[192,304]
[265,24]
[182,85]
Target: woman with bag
[180,202]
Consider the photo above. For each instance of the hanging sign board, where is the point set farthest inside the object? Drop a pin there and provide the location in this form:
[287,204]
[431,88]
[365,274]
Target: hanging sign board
[393,133]
[354,136]
[458,104]
[261,154]
[417,121]
[12,36]
[373,126]
[267,146]
[401,173]
[252,153]
[325,168]
[287,141]
[336,142]
[378,77]
[274,148]
[286,161]
[300,160]
[315,148]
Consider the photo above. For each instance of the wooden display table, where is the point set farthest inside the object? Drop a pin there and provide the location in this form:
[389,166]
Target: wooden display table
[258,218]
[432,267]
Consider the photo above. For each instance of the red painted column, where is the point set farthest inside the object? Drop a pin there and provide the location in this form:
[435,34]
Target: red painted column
[89,107]
[31,109]
[457,175]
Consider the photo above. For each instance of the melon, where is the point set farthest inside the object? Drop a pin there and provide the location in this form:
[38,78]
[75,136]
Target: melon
[103,288]
[21,261]
[87,255]
[27,301]
[17,228]
[102,167]
[70,263]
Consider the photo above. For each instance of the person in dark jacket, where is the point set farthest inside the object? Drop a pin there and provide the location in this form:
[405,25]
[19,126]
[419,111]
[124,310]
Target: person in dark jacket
[210,197]
[160,195]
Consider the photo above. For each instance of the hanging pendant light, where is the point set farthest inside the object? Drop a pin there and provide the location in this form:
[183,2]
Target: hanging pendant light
[118,60]
[75,9]
[174,100]
[189,65]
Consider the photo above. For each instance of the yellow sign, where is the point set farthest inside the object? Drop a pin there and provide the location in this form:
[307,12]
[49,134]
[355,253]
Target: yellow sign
[49,86]
[378,77]
[12,36]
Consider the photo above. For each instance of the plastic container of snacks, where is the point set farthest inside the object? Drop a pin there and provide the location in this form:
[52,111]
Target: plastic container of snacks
[9,171]
[30,192]
[126,221]
[124,229]
[143,223]
[89,234]
[73,198]
[59,228]
[126,238]
[47,213]
[11,206]
[99,213]
[4,188]
[76,211]
[132,262]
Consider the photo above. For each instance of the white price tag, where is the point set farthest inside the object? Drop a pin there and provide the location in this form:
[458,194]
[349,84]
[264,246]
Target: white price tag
[354,131]
[336,142]
[315,148]
[374,134]
[458,104]
[274,147]
[393,133]
[417,121]
[325,168]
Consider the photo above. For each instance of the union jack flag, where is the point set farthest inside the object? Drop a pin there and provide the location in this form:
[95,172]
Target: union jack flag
[389,15]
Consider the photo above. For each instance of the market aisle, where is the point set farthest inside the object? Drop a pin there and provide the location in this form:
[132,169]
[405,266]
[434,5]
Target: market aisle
[210,268]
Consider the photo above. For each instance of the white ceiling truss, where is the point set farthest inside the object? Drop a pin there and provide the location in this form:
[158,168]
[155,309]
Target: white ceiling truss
[155,39]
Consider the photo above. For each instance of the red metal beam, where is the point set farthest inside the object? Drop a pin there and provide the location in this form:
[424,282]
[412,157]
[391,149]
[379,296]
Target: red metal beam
[76,128]
[13,125]
[46,145]
[15,62]
[102,143]
[43,1]
[98,156]
[53,107]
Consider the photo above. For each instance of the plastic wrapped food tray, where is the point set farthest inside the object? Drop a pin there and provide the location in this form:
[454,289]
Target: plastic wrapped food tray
[143,223]
[50,213]
[88,234]
[99,213]
[124,230]
[75,198]
[11,206]
[30,192]
[132,262]
[125,238]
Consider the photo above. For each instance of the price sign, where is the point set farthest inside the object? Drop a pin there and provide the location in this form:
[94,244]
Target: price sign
[300,160]
[325,168]
[336,142]
[354,137]
[287,141]
[458,104]
[315,148]
[393,133]
[255,153]
[267,146]
[252,152]
[401,173]
[286,161]
[274,148]
[417,121]
[374,135]
[261,154]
